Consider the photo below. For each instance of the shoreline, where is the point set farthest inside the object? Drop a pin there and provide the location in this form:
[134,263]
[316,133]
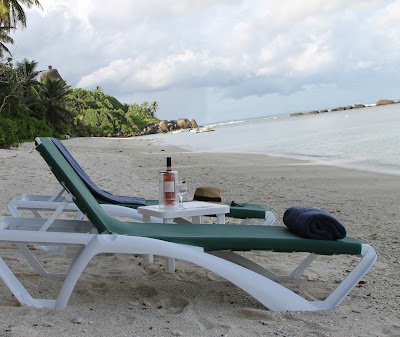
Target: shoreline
[145,301]
[320,160]
[327,140]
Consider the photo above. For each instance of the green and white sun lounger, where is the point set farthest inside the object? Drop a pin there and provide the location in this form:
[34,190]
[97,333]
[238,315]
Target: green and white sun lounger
[209,246]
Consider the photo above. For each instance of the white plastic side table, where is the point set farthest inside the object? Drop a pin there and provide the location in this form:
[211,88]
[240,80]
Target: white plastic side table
[193,209]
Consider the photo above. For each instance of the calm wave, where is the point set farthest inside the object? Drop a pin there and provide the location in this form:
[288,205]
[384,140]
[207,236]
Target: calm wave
[366,138]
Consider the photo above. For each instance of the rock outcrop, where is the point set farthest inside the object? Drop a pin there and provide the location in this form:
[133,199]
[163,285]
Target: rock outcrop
[50,74]
[165,126]
[382,101]
[184,123]
[193,124]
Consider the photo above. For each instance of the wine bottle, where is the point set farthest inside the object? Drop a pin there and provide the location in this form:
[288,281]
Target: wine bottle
[169,185]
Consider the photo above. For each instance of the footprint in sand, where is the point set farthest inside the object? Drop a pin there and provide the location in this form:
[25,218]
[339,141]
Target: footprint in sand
[10,304]
[316,327]
[174,304]
[100,288]
[391,330]
[144,291]
[10,259]
[254,314]
[208,324]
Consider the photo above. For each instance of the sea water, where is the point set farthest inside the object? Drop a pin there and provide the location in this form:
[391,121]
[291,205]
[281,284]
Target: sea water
[366,138]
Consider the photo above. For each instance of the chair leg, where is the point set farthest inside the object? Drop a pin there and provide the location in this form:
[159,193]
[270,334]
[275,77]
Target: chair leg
[35,264]
[351,280]
[368,258]
[19,291]
[244,262]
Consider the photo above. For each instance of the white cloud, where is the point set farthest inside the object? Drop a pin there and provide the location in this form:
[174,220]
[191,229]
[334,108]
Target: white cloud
[313,58]
[145,73]
[238,48]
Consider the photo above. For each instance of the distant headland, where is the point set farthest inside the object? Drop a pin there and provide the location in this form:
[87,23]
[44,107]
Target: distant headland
[379,101]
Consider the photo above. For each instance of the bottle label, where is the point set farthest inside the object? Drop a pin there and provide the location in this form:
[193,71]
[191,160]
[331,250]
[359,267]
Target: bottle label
[169,186]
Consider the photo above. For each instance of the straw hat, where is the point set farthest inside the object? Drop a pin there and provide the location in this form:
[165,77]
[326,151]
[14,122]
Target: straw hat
[208,194]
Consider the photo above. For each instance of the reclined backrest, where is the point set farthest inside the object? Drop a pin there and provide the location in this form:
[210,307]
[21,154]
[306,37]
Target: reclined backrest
[72,183]
[104,196]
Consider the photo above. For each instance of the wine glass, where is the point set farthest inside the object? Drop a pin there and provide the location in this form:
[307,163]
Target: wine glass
[181,190]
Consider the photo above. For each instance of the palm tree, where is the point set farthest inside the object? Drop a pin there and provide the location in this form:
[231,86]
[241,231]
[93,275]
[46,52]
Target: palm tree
[98,92]
[145,108]
[153,108]
[29,74]
[30,86]
[78,100]
[54,96]
[4,38]
[12,13]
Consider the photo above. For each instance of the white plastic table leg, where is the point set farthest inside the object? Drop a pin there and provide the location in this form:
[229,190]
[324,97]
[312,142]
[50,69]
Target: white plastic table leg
[221,218]
[169,262]
[196,219]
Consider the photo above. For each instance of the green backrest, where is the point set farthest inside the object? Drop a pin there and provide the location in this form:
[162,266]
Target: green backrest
[72,183]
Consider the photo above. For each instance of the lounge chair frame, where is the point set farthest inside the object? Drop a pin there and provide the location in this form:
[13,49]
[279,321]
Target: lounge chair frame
[252,278]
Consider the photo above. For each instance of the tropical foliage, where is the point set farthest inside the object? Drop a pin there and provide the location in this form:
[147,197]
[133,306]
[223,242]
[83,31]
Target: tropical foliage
[99,114]
[4,38]
[29,107]
[12,13]
[21,113]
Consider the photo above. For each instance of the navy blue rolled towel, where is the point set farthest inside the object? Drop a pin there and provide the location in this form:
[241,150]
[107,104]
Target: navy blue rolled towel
[313,223]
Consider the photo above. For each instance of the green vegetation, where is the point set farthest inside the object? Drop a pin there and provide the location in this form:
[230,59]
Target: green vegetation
[12,13]
[96,113]
[29,108]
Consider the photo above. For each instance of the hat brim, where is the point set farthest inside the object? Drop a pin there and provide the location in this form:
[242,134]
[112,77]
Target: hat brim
[208,199]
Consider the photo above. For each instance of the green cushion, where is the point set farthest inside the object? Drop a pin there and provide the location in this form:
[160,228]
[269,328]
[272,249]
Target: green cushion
[246,212]
[208,236]
[237,237]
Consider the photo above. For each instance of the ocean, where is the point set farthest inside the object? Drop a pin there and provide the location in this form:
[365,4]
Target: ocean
[366,139]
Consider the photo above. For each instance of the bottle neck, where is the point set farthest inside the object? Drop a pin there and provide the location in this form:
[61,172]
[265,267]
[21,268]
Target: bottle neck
[169,165]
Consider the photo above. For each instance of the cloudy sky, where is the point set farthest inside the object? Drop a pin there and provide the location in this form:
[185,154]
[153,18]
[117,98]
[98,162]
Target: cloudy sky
[219,60]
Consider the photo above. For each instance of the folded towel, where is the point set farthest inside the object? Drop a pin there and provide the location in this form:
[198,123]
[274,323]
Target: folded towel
[313,223]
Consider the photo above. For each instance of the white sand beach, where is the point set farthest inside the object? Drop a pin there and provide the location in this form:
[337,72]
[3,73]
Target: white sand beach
[119,295]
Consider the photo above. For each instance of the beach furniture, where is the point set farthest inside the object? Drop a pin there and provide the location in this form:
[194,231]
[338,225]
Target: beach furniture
[245,211]
[211,246]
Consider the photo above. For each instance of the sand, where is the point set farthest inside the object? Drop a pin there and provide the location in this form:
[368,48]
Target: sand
[119,295]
